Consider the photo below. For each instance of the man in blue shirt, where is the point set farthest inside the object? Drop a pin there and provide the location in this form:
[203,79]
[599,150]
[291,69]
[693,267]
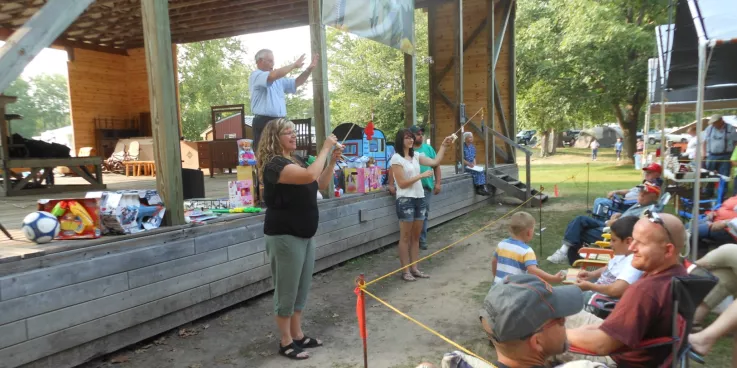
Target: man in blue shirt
[618,148]
[268,87]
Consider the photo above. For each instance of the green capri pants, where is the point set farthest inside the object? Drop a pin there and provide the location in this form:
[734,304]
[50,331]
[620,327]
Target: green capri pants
[722,262]
[292,263]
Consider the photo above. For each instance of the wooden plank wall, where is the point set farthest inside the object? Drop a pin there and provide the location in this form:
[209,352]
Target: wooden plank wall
[475,69]
[102,84]
[62,309]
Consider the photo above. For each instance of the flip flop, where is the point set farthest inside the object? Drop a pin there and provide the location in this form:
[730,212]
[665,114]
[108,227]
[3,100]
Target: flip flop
[308,343]
[292,351]
[420,275]
[406,276]
[696,356]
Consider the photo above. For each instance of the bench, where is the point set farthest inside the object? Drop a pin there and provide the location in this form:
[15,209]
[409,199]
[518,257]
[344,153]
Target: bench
[35,166]
[138,167]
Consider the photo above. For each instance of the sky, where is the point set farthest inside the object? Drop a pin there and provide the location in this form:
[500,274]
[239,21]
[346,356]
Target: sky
[287,44]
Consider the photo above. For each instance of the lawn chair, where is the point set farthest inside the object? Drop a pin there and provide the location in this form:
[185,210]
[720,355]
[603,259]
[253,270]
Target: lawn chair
[705,205]
[134,151]
[593,258]
[687,293]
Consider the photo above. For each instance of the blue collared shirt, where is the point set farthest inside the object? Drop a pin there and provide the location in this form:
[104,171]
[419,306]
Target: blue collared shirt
[268,98]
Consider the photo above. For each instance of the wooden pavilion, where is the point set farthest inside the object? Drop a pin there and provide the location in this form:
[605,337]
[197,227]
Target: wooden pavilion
[66,302]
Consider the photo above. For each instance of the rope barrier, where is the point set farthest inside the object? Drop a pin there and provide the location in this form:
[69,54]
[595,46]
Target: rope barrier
[448,246]
[438,334]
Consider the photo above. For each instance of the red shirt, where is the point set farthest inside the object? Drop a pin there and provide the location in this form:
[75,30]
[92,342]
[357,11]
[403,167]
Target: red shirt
[644,312]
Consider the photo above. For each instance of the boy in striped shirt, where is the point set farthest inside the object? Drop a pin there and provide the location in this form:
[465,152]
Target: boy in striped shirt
[513,256]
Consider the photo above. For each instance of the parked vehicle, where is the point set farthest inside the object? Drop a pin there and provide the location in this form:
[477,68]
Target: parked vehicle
[525,136]
[570,136]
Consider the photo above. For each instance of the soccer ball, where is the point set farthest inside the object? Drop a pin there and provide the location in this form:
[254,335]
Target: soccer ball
[40,227]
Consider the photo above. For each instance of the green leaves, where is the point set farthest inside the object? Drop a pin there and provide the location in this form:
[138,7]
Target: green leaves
[43,101]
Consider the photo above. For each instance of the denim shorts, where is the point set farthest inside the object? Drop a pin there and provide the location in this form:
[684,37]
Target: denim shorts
[411,209]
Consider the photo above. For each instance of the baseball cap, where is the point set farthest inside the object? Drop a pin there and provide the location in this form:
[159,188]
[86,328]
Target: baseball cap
[417,129]
[653,167]
[520,305]
[714,118]
[649,188]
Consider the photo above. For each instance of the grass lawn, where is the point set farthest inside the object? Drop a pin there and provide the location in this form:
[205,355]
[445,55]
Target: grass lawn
[578,185]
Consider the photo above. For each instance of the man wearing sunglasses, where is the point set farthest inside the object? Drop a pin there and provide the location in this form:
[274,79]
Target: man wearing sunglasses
[587,229]
[645,310]
[525,318]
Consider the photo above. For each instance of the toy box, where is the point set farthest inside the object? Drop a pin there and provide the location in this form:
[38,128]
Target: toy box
[240,193]
[206,204]
[374,178]
[129,212]
[357,180]
[246,157]
[79,217]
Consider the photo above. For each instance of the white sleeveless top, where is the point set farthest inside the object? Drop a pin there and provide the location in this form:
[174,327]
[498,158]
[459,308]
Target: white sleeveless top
[410,168]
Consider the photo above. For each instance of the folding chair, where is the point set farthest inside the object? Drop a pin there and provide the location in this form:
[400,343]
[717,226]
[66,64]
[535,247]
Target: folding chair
[593,258]
[687,293]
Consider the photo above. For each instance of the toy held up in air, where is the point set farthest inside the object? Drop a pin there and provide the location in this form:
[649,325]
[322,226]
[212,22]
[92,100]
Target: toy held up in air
[246,157]
[40,227]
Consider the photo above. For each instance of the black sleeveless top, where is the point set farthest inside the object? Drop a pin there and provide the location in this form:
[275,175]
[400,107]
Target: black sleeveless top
[290,209]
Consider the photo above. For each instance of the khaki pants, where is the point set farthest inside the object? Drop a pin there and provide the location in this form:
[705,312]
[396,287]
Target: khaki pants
[577,320]
[722,262]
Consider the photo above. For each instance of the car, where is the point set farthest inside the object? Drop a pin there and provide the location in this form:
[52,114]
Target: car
[570,136]
[682,138]
[525,136]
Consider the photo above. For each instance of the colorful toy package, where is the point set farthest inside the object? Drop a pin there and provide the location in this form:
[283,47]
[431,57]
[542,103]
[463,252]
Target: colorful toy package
[246,157]
[79,218]
[240,193]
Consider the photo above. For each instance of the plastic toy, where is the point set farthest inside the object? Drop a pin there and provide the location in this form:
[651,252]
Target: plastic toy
[76,218]
[238,210]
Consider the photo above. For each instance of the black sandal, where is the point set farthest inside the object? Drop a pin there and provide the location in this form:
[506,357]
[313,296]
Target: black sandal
[292,351]
[308,343]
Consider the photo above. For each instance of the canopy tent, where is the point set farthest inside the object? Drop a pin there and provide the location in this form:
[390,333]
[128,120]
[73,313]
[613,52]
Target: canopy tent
[697,54]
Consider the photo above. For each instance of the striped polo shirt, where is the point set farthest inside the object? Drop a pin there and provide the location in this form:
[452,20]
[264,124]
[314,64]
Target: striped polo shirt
[513,257]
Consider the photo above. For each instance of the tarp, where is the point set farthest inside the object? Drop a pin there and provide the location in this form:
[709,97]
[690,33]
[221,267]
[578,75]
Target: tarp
[684,99]
[711,21]
[606,136]
[391,22]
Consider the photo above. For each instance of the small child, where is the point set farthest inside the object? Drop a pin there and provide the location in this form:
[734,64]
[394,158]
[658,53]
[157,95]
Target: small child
[594,149]
[513,256]
[618,274]
[618,148]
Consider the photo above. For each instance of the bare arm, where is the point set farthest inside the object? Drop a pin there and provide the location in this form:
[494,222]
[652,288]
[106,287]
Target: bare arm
[404,182]
[493,267]
[593,340]
[437,171]
[295,174]
[550,279]
[327,173]
[433,162]
[615,289]
[279,73]
[390,181]
[306,74]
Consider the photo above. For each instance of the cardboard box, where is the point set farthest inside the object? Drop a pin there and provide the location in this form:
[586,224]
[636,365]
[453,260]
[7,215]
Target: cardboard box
[374,178]
[79,217]
[244,173]
[240,193]
[357,180]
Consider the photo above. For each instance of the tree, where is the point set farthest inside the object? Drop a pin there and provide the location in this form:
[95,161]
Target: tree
[367,76]
[24,106]
[594,53]
[211,73]
[51,98]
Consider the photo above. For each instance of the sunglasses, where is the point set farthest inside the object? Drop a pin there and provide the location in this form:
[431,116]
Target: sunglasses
[655,219]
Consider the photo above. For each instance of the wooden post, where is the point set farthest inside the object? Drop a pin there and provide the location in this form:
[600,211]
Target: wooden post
[320,96]
[490,82]
[164,124]
[410,91]
[176,88]
[37,33]
[458,81]
[512,128]
[431,14]
[4,135]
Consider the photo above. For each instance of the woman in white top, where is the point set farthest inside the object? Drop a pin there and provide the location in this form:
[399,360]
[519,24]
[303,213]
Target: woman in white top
[411,206]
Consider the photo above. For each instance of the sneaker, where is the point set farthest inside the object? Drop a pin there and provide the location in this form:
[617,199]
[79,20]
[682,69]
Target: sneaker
[423,246]
[559,257]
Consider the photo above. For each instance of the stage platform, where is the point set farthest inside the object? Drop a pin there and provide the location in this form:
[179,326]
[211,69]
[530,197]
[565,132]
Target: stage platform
[77,300]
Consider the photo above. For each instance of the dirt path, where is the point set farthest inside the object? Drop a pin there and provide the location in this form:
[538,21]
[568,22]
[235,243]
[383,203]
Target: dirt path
[245,335]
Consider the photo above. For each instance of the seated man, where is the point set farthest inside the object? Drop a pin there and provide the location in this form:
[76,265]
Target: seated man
[652,176]
[586,229]
[714,227]
[645,310]
[525,318]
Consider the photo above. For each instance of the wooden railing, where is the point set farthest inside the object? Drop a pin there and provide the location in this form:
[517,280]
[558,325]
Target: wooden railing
[513,144]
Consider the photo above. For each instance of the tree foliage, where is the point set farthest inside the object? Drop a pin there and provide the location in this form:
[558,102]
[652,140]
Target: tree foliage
[43,102]
[591,55]
[367,76]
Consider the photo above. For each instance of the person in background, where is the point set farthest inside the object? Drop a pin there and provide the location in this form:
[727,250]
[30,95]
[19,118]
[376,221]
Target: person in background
[594,149]
[405,168]
[691,146]
[469,160]
[268,87]
[702,342]
[718,145]
[618,148]
[290,193]
[653,173]
[429,185]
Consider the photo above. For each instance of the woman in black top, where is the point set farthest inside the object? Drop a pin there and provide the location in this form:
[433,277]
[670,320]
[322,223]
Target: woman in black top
[290,193]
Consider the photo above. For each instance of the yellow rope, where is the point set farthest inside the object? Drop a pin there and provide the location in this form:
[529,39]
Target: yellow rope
[450,245]
[438,334]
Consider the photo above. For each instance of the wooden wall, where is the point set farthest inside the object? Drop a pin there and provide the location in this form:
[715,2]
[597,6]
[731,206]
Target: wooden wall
[442,42]
[107,85]
[62,309]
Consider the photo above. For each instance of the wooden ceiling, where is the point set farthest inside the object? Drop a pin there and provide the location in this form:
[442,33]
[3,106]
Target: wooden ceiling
[115,25]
